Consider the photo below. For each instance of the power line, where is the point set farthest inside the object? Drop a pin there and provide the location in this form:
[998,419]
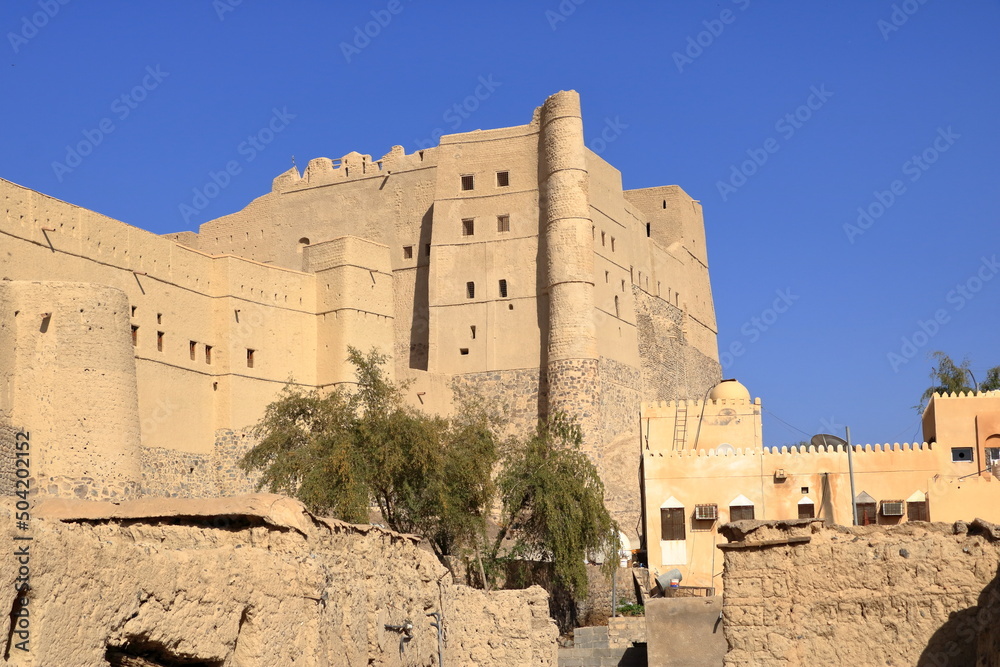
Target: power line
[808,435]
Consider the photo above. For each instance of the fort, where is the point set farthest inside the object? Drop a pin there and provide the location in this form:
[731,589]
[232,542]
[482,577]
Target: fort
[511,259]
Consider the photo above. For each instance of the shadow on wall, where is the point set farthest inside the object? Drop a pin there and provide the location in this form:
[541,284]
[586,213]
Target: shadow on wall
[970,637]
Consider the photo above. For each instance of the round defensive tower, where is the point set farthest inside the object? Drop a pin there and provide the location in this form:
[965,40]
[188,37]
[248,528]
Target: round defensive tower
[69,380]
[572,367]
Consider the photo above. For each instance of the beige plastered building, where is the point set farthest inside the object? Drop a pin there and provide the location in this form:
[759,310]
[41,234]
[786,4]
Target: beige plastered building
[698,479]
[508,259]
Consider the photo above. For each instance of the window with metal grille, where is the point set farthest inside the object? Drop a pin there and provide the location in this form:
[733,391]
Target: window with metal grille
[740,512]
[503,288]
[867,514]
[503,179]
[407,252]
[468,227]
[917,511]
[892,508]
[470,290]
[807,511]
[468,182]
[503,223]
[672,523]
[706,512]
[992,456]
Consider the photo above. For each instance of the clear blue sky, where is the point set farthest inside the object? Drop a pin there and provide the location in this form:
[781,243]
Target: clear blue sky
[883,88]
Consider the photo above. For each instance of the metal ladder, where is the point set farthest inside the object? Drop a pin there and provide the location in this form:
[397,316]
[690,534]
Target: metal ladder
[680,425]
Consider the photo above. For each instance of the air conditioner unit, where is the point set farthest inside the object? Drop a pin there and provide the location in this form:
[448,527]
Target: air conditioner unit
[706,512]
[892,508]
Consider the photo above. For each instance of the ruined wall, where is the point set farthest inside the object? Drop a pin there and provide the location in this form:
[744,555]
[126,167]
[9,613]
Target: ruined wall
[797,593]
[250,581]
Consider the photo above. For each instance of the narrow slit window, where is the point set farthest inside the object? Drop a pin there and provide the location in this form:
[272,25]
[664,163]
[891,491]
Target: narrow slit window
[133,310]
[607,277]
[208,354]
[612,244]
[470,290]
[602,238]
[648,230]
[473,328]
[135,336]
[503,223]
[503,179]
[427,249]
[468,182]
[250,357]
[468,227]
[159,318]
[623,284]
[407,252]
[159,341]
[617,313]
[503,288]
[191,349]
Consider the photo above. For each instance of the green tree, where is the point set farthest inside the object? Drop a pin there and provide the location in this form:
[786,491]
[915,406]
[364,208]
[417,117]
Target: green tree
[440,478]
[949,377]
[553,505]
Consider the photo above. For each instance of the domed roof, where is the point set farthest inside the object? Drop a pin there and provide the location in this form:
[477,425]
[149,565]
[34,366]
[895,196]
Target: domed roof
[729,389]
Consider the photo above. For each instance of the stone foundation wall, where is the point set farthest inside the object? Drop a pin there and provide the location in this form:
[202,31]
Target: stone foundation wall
[798,593]
[671,367]
[523,390]
[175,474]
[8,441]
[617,459]
[253,580]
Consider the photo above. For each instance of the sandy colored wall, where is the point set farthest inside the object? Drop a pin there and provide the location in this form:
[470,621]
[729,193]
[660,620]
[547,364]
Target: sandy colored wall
[185,294]
[907,595]
[252,581]
[702,477]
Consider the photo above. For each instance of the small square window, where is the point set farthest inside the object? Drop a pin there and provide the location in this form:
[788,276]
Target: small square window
[470,290]
[191,349]
[503,179]
[503,288]
[407,252]
[468,227]
[503,223]
[961,454]
[468,182]
[805,489]
[463,351]
[208,354]
[159,341]
[250,358]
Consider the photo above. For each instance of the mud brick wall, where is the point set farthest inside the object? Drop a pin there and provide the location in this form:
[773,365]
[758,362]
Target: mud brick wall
[913,594]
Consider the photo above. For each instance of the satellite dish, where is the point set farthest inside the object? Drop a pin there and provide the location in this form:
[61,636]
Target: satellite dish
[827,439]
[725,449]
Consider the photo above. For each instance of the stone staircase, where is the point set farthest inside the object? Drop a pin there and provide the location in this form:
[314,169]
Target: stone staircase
[622,643]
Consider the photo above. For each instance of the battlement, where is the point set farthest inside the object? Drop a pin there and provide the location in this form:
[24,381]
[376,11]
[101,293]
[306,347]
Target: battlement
[667,408]
[793,450]
[995,393]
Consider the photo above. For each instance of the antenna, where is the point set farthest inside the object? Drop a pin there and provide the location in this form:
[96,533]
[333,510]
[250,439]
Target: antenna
[725,449]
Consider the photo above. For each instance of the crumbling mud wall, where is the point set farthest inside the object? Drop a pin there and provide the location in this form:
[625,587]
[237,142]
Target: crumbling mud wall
[800,593]
[245,582]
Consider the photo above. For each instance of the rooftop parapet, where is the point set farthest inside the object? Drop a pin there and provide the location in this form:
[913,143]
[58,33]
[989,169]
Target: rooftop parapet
[793,450]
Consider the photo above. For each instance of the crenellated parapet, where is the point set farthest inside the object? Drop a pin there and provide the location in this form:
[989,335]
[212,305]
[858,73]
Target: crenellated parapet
[792,450]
